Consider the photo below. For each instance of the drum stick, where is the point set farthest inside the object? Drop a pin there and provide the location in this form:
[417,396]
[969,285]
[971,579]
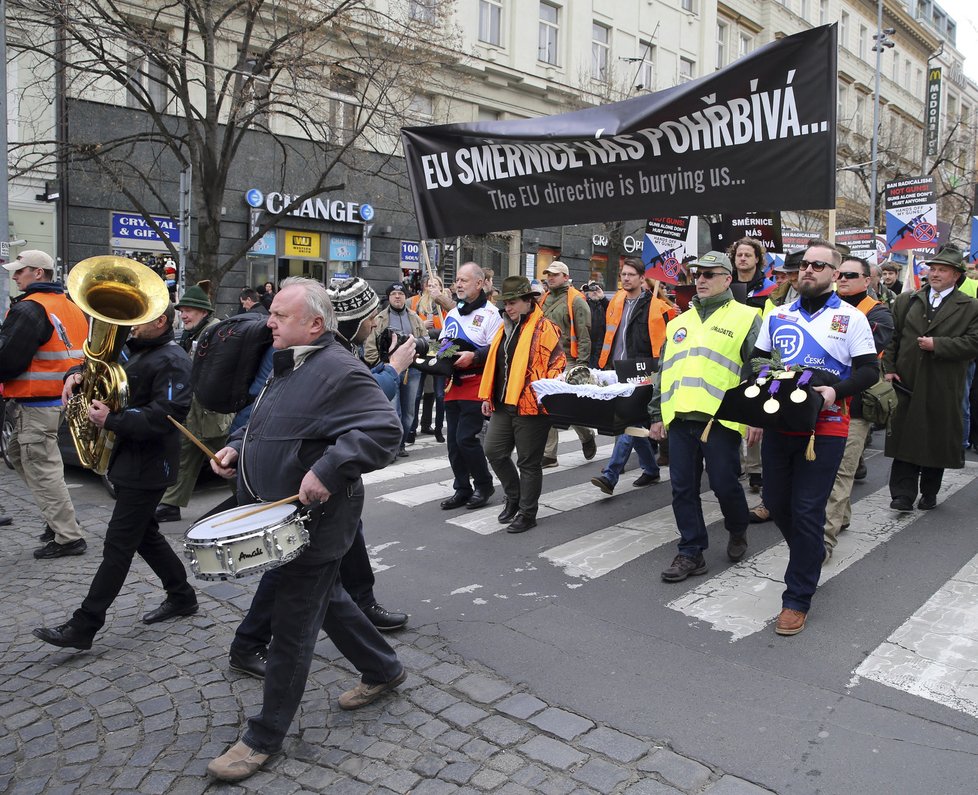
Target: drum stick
[203,447]
[263,507]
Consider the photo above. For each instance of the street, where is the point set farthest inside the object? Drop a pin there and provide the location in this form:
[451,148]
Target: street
[549,661]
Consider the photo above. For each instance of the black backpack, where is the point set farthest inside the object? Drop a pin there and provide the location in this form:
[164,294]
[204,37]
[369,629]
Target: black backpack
[226,360]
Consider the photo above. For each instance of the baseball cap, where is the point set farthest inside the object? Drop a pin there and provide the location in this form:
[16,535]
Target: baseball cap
[32,258]
[713,259]
[557,267]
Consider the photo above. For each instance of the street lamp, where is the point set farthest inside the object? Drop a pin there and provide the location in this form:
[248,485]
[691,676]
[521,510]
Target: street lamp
[881,41]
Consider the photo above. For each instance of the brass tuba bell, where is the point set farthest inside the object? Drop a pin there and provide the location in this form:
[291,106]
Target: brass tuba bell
[116,293]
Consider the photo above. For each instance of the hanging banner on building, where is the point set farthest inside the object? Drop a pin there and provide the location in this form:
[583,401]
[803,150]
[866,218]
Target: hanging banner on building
[669,241]
[932,113]
[911,214]
[758,133]
[860,242]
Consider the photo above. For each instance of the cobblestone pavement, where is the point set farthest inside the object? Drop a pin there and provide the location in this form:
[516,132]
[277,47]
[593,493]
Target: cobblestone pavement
[149,706]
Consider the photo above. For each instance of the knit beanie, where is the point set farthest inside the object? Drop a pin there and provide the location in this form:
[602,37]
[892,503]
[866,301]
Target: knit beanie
[194,297]
[353,301]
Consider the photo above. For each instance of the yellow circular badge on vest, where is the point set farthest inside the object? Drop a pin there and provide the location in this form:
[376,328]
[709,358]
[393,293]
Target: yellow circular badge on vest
[679,336]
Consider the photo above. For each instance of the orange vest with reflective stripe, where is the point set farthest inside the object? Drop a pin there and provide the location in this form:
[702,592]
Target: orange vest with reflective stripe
[866,306]
[657,326]
[43,379]
[438,316]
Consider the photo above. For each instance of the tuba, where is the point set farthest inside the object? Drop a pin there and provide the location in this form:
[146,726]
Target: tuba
[116,293]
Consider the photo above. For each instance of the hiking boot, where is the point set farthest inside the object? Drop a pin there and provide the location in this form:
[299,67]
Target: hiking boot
[364,694]
[604,484]
[790,622]
[683,567]
[760,514]
[737,547]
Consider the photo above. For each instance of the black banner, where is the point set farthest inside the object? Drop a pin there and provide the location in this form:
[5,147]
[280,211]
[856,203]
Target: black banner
[759,133]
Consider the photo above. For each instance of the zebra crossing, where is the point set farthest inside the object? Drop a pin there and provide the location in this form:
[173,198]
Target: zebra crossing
[933,654]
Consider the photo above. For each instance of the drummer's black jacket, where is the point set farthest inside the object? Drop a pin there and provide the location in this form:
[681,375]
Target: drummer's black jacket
[147,447]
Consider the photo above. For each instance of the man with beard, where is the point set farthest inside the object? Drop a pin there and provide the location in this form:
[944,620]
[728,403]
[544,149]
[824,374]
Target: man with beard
[819,327]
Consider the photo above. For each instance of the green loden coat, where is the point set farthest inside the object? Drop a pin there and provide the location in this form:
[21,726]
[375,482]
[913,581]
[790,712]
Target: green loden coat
[927,428]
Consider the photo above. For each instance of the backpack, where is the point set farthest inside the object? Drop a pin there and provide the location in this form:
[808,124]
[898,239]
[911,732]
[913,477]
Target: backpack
[226,361]
[879,402]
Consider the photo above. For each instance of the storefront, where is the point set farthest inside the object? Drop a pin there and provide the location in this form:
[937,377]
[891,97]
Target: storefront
[320,238]
[132,236]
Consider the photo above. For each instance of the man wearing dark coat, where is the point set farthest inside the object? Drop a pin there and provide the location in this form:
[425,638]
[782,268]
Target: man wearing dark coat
[935,337]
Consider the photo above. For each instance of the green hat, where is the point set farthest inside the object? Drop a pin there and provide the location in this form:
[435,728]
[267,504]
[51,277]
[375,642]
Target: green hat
[950,255]
[194,297]
[714,259]
[517,287]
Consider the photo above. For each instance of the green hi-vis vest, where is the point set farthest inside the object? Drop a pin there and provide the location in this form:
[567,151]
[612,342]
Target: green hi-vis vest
[703,360]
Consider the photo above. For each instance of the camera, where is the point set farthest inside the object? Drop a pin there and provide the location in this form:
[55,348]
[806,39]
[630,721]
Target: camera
[385,338]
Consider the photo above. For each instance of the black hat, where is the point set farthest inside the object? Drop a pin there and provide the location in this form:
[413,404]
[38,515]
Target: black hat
[792,261]
[396,287]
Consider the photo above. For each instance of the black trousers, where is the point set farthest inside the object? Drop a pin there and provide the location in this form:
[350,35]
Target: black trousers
[132,530]
[907,478]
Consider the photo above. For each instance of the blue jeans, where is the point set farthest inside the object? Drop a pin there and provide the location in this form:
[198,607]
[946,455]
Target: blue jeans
[721,453]
[465,453]
[796,492]
[407,399]
[623,451]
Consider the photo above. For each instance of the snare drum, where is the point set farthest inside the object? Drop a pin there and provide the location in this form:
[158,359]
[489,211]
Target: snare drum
[221,546]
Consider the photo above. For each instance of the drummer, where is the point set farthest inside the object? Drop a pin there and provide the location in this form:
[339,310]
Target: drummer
[144,463]
[340,424]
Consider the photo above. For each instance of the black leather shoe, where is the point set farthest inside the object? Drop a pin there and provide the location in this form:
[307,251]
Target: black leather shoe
[47,535]
[521,524]
[426,430]
[926,503]
[6,520]
[384,620]
[902,504]
[169,610]
[590,448]
[52,549]
[480,498]
[167,513]
[457,500]
[646,479]
[737,546]
[439,436]
[603,483]
[249,663]
[67,636]
[509,511]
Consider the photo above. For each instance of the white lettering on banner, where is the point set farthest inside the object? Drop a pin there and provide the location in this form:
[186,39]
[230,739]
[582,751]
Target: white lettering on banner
[760,116]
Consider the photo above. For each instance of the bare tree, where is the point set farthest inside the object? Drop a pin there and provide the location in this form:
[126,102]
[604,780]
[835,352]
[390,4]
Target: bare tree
[326,81]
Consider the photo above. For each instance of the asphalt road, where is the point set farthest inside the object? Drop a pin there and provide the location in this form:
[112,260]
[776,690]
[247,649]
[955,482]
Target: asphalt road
[879,693]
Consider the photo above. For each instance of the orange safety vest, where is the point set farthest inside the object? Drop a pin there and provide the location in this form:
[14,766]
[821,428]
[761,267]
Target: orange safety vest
[572,292]
[439,318]
[657,326]
[538,355]
[44,377]
[866,306]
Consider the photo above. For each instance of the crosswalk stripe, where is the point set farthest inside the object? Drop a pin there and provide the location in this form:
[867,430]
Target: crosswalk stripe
[405,467]
[444,488]
[934,654]
[743,599]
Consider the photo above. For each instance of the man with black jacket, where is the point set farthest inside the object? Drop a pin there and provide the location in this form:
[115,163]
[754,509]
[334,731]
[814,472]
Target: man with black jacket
[143,464]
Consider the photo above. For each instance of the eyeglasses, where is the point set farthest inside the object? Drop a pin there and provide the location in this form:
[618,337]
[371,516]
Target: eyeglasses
[851,275]
[709,274]
[818,266]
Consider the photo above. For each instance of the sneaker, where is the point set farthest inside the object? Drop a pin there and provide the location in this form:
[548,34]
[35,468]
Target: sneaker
[902,504]
[760,514]
[364,694]
[683,567]
[790,622]
[53,549]
[603,483]
[549,463]
[237,763]
[645,479]
[755,483]
[737,547]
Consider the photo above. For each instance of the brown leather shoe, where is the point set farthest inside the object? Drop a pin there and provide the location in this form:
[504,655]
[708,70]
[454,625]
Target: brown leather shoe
[237,763]
[790,622]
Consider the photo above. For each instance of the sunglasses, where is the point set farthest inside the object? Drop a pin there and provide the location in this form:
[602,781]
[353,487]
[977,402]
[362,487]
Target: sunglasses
[818,266]
[708,274]
[851,275]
